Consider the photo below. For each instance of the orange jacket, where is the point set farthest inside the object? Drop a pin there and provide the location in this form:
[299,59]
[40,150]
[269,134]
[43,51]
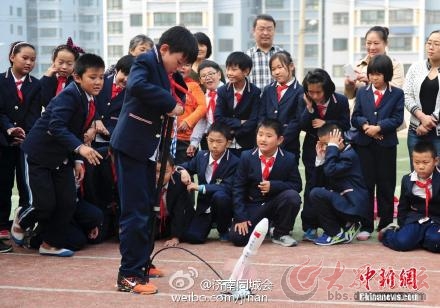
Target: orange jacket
[195,109]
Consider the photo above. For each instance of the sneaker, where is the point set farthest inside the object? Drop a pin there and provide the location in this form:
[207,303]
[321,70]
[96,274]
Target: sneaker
[363,236]
[62,252]
[135,285]
[310,235]
[17,233]
[284,240]
[381,233]
[154,272]
[4,235]
[5,247]
[351,231]
[326,240]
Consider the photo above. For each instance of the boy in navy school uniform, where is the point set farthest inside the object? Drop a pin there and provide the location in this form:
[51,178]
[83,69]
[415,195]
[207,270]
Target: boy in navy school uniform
[377,113]
[20,107]
[419,205]
[215,171]
[340,196]
[99,181]
[53,148]
[282,100]
[175,207]
[238,102]
[267,184]
[321,105]
[150,94]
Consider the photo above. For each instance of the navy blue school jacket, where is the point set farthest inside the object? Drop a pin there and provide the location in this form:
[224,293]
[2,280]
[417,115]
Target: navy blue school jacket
[147,100]
[284,175]
[221,180]
[13,113]
[247,109]
[338,113]
[49,88]
[108,108]
[60,129]
[412,208]
[287,111]
[343,173]
[388,115]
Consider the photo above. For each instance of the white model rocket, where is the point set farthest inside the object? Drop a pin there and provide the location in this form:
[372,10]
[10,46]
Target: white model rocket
[251,249]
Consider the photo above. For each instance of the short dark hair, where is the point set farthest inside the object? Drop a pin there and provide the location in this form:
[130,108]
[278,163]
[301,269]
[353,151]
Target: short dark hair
[264,17]
[86,61]
[272,123]
[179,39]
[208,63]
[327,129]
[203,39]
[221,128]
[383,32]
[140,39]
[240,59]
[124,64]
[16,47]
[320,76]
[381,64]
[424,147]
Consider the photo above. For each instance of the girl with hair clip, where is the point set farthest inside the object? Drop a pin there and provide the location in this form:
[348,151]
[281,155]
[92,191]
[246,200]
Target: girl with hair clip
[377,114]
[59,74]
[322,106]
[20,107]
[376,42]
[281,98]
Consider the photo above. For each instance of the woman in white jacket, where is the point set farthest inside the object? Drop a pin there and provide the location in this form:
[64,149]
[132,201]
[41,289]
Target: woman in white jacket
[422,97]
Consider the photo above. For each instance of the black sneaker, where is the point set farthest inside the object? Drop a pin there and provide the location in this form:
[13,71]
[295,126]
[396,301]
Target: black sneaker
[135,285]
[5,247]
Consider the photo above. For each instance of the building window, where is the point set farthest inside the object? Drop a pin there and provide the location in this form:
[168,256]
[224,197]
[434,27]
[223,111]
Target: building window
[11,11]
[87,36]
[19,11]
[340,18]
[338,71]
[164,19]
[281,26]
[48,14]
[48,32]
[372,16]
[312,4]
[114,4]
[46,50]
[432,17]
[86,18]
[85,2]
[115,51]
[225,45]
[274,4]
[400,44]
[115,27]
[11,29]
[311,26]
[401,16]
[310,51]
[191,19]
[225,19]
[340,44]
[19,30]
[135,20]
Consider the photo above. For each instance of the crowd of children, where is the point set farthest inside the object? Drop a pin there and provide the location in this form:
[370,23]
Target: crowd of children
[82,146]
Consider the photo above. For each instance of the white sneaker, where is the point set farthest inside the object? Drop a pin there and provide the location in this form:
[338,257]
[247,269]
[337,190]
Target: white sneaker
[17,235]
[285,240]
[363,236]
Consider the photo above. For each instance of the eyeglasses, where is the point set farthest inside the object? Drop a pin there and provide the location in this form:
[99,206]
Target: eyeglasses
[210,75]
[435,45]
[267,29]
